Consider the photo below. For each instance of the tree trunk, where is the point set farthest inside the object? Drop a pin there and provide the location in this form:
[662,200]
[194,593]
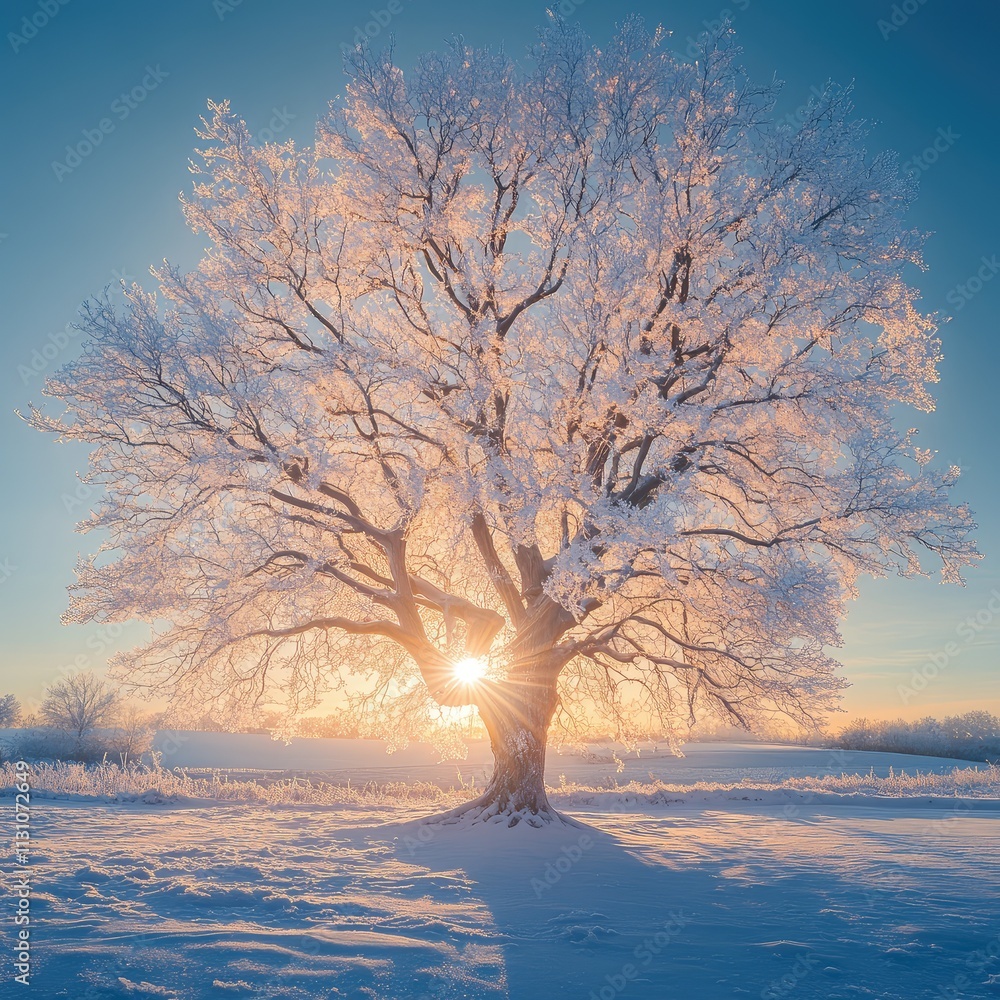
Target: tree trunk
[517,720]
[517,785]
[517,713]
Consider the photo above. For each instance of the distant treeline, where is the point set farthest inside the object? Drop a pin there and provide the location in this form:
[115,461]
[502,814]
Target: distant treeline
[335,725]
[972,736]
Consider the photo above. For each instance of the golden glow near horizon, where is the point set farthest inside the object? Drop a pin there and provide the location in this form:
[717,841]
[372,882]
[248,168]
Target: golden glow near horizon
[470,669]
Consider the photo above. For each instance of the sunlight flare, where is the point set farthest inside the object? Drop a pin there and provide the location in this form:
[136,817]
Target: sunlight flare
[470,669]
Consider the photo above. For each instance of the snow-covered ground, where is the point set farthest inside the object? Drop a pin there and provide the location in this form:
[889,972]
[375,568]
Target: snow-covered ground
[698,894]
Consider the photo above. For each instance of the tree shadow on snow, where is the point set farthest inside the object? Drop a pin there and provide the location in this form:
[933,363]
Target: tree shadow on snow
[580,912]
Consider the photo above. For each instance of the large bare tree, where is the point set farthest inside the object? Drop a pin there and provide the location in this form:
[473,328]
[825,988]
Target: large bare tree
[562,390]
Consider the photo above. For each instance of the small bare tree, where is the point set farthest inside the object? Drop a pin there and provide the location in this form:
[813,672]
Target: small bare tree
[79,704]
[134,733]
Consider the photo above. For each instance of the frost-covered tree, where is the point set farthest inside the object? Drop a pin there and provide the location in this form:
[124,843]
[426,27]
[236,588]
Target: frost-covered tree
[79,704]
[972,736]
[133,733]
[562,390]
[10,710]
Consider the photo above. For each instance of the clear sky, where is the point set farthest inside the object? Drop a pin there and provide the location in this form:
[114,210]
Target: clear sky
[136,76]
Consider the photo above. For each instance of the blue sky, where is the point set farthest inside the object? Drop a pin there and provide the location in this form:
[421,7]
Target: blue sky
[132,79]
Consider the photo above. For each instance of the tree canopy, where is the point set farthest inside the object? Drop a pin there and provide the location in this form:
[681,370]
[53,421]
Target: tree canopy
[586,366]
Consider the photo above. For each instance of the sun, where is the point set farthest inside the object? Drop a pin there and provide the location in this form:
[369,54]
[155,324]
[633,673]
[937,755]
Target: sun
[470,669]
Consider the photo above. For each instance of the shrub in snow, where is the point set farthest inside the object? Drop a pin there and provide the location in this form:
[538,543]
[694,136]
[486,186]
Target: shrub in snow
[49,743]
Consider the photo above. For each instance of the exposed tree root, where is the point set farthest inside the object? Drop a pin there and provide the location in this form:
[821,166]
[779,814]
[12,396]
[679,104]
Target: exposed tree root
[487,809]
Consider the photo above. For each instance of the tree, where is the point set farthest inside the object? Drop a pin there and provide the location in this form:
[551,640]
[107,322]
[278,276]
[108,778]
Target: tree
[561,392]
[79,704]
[10,710]
[133,733]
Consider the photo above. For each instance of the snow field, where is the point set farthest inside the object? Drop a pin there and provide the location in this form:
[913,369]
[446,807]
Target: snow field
[814,886]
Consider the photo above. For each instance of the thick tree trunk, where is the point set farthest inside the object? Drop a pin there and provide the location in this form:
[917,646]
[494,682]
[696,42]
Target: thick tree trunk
[518,739]
[517,721]
[517,713]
